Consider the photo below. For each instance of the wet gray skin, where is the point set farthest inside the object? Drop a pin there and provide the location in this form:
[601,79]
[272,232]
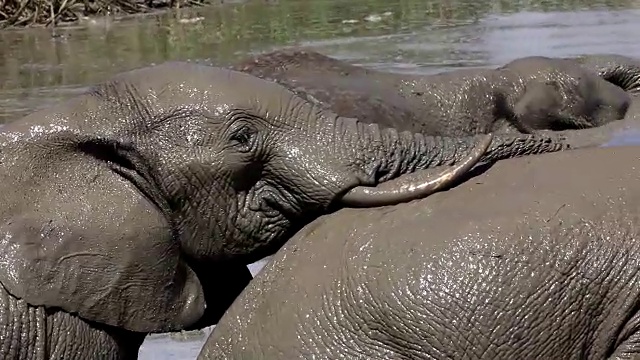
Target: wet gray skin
[525,95]
[620,70]
[536,258]
[133,207]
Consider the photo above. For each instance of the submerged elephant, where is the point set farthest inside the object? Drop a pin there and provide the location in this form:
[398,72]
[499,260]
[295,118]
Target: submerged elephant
[526,95]
[135,207]
[537,258]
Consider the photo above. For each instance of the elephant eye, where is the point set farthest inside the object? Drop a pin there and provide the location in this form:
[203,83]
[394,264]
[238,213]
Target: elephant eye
[242,138]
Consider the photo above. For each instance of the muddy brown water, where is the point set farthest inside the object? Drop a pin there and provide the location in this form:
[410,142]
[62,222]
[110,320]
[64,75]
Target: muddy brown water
[40,67]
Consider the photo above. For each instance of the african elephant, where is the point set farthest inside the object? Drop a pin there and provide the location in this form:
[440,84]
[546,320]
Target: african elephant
[525,95]
[536,258]
[135,207]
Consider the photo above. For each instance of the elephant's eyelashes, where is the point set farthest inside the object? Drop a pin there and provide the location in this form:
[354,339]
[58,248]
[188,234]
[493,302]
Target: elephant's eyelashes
[242,137]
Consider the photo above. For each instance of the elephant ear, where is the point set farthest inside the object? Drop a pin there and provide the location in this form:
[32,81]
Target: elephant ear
[99,249]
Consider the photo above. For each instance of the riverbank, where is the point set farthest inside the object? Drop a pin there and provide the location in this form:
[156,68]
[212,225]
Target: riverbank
[33,13]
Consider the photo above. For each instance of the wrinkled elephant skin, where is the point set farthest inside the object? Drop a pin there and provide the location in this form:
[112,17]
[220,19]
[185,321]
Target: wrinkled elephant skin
[135,207]
[536,258]
[623,71]
[525,95]
[607,134]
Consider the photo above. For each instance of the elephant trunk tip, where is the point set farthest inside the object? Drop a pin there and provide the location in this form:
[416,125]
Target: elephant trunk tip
[416,185]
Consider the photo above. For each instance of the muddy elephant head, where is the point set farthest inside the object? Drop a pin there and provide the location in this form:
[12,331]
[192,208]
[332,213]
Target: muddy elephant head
[236,162]
[114,200]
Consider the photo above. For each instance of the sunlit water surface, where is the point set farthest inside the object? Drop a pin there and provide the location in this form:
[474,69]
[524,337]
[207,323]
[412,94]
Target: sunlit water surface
[40,67]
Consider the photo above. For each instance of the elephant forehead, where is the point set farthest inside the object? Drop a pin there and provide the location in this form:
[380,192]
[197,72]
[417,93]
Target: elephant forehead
[217,89]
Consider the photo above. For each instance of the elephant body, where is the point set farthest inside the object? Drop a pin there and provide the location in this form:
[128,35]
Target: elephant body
[525,95]
[134,208]
[536,258]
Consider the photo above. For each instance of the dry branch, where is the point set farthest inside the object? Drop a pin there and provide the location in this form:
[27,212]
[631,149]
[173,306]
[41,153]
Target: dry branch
[52,12]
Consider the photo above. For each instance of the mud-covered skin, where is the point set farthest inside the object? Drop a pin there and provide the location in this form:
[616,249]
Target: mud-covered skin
[620,70]
[35,333]
[603,135]
[525,95]
[536,258]
[137,205]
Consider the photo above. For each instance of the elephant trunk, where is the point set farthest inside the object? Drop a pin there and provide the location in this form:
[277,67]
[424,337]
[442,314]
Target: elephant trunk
[624,77]
[415,185]
[627,80]
[619,70]
[393,160]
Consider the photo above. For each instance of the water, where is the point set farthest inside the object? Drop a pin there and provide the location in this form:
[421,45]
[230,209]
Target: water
[164,348]
[40,67]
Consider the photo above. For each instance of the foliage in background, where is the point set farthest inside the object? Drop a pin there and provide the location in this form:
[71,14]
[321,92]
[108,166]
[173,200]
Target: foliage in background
[52,12]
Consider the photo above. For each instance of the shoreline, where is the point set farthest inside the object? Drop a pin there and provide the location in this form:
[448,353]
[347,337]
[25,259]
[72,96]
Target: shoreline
[25,14]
